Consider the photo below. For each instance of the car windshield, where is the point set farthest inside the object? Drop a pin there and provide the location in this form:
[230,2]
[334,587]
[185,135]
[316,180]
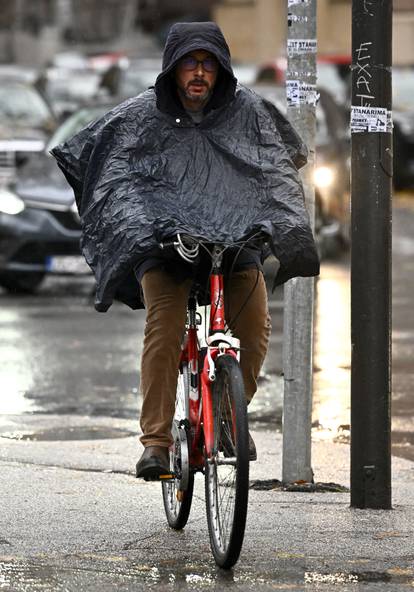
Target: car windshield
[23,106]
[74,124]
[72,84]
[403,88]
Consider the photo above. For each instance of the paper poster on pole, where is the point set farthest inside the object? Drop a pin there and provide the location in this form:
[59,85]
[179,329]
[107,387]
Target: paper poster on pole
[370,119]
[294,2]
[301,46]
[301,93]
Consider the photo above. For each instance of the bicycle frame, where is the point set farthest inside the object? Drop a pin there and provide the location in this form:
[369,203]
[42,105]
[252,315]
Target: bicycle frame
[201,364]
[210,427]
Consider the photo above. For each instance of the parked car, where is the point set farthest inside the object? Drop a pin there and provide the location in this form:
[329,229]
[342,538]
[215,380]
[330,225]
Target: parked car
[403,116]
[23,110]
[39,223]
[26,123]
[72,80]
[332,210]
[125,80]
[26,119]
[67,90]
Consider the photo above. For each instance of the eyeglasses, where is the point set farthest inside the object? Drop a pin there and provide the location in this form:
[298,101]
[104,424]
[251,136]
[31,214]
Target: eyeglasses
[189,63]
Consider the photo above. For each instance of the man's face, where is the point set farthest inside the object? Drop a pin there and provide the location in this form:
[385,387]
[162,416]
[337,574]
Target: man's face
[196,75]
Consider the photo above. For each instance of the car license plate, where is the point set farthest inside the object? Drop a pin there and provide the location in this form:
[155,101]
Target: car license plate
[67,264]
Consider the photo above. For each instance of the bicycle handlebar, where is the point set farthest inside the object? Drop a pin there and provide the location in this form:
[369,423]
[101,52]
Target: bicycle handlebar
[188,247]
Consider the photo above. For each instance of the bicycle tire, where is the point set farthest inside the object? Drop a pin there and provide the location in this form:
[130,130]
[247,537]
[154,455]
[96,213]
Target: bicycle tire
[177,502]
[227,485]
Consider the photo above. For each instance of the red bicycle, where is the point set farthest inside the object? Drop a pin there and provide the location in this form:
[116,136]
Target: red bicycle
[210,427]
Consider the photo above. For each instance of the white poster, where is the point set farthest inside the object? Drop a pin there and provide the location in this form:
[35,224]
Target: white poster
[293,2]
[301,46]
[371,119]
[301,93]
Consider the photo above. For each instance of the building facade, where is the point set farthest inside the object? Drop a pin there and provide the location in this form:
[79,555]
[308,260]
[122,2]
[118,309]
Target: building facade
[33,30]
[256,29]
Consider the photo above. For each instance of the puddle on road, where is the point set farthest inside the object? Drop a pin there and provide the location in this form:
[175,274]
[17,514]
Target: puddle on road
[17,576]
[99,572]
[404,577]
[70,433]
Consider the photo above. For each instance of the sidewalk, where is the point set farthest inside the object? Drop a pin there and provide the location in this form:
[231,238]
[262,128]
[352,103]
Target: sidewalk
[68,523]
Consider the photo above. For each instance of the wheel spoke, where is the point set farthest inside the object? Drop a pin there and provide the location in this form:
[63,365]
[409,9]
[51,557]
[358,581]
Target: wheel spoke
[227,482]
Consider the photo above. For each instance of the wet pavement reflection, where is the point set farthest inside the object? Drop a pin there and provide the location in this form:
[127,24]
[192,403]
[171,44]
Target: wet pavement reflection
[65,433]
[60,357]
[108,573]
[70,375]
[332,353]
[331,408]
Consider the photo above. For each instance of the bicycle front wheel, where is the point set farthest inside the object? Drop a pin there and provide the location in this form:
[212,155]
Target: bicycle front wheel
[227,471]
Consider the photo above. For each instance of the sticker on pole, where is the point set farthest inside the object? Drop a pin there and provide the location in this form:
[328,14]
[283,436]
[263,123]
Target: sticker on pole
[301,46]
[301,93]
[370,119]
[296,18]
[294,2]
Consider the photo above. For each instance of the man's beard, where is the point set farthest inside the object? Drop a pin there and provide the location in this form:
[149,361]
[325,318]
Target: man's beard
[197,98]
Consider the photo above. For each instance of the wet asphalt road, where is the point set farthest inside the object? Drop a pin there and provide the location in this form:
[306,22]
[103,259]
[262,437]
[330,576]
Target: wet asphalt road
[331,408]
[60,357]
[68,373]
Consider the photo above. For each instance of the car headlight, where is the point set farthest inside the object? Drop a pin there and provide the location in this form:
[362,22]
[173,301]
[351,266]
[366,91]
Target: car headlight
[10,203]
[407,126]
[323,176]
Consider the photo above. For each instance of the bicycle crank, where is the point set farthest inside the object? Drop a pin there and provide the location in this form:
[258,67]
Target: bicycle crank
[181,458]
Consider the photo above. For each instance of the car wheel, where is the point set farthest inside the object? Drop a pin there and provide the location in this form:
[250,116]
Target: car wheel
[20,282]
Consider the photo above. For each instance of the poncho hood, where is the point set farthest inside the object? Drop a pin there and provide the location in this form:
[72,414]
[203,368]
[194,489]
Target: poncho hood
[145,171]
[182,39]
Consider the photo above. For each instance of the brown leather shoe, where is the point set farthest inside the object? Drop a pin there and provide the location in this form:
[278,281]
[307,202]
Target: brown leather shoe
[154,462]
[228,448]
[252,449]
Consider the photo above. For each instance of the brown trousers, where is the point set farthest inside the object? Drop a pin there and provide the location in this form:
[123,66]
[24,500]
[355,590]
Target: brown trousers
[166,305]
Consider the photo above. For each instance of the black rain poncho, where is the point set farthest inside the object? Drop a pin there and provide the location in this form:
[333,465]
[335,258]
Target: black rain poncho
[145,171]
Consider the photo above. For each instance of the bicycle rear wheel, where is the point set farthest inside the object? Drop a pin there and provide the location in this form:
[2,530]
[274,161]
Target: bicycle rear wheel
[227,471]
[178,493]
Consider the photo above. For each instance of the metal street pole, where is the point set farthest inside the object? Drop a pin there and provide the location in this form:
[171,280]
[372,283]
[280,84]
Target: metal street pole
[299,292]
[371,132]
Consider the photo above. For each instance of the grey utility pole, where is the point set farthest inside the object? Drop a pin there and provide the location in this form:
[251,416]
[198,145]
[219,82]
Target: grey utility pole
[299,292]
[371,132]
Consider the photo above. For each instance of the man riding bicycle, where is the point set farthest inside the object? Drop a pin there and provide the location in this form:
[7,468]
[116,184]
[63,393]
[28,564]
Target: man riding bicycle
[202,155]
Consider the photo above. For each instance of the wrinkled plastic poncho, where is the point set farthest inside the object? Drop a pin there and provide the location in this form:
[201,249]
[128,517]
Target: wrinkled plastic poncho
[146,171]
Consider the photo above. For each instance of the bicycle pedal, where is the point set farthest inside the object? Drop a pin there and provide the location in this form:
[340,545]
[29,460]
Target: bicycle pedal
[166,477]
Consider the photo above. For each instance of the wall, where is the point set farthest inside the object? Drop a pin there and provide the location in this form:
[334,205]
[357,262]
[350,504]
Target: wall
[403,38]
[256,29]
